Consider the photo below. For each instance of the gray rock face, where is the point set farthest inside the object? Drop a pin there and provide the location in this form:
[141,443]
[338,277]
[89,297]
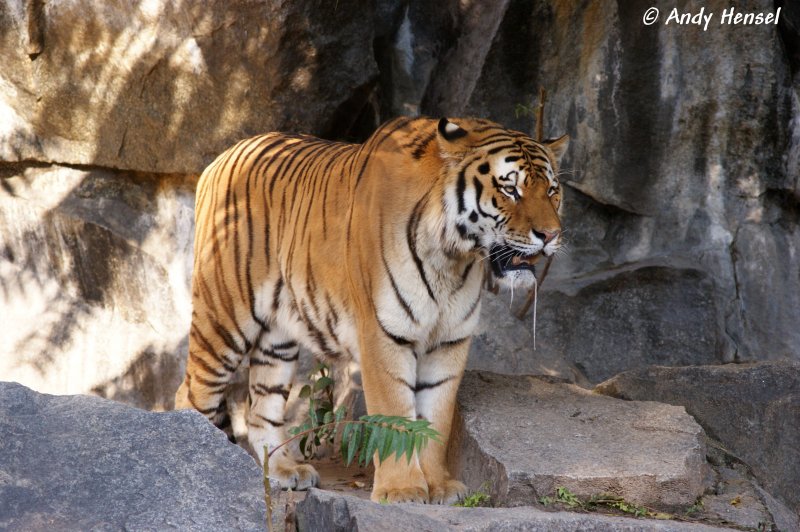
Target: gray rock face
[323,510]
[94,281]
[505,344]
[752,409]
[85,463]
[165,86]
[521,437]
[628,318]
[659,172]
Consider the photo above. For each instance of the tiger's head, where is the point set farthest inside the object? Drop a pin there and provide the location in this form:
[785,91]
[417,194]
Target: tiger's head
[503,194]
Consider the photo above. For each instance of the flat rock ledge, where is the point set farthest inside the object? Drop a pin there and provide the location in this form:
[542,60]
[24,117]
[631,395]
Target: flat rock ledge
[332,512]
[752,409]
[85,463]
[521,437]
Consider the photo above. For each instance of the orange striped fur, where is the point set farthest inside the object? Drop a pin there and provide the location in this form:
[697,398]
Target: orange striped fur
[372,253]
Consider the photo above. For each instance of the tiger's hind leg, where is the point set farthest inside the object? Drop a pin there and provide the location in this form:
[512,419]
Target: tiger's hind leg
[272,367]
[214,356]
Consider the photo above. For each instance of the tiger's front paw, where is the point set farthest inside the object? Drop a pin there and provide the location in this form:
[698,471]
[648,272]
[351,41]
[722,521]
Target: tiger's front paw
[446,492]
[292,475]
[397,481]
[400,494]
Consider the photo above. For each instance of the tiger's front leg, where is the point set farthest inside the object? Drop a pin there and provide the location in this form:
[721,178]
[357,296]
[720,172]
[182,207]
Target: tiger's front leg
[388,372]
[438,377]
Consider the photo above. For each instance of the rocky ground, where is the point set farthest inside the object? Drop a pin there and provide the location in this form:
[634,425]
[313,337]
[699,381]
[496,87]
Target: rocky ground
[80,462]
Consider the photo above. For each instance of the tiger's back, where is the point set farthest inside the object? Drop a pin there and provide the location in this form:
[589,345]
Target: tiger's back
[368,252]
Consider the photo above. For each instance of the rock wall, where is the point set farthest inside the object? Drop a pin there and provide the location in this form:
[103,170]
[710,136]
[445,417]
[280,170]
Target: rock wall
[109,113]
[682,180]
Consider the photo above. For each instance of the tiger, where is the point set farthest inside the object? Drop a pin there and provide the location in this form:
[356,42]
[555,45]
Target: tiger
[372,253]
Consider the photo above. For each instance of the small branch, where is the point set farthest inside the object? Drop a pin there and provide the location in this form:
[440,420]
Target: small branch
[309,431]
[268,494]
[540,114]
[539,137]
[532,293]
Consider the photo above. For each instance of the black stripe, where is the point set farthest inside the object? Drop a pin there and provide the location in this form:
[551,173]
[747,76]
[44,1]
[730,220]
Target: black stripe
[428,385]
[399,340]
[208,412]
[461,185]
[411,237]
[499,149]
[211,351]
[209,383]
[208,368]
[284,358]
[403,303]
[378,138]
[473,307]
[261,389]
[478,191]
[466,272]
[419,151]
[283,346]
[227,338]
[276,293]
[268,420]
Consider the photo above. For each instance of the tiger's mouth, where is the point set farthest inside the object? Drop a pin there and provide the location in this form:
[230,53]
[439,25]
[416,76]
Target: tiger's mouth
[505,258]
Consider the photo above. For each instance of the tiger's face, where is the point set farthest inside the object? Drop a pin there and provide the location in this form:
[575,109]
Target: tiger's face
[507,196]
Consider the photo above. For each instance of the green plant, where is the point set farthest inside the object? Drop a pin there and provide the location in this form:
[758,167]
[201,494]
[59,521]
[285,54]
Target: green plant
[597,502]
[696,507]
[320,411]
[524,110]
[564,496]
[370,436]
[475,499]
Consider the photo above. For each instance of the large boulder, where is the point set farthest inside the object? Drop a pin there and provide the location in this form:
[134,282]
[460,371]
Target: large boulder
[85,463]
[753,410]
[519,438]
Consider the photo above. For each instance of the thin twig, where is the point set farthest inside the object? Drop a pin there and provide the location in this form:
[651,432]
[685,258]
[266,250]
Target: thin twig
[532,293]
[539,137]
[540,114]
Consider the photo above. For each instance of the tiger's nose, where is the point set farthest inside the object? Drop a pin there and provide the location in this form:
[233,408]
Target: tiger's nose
[546,236]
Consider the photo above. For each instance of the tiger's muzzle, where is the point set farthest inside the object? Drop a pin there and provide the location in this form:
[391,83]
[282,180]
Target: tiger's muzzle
[504,258]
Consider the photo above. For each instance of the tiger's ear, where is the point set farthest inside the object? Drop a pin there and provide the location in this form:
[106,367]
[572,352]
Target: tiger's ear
[558,147]
[450,131]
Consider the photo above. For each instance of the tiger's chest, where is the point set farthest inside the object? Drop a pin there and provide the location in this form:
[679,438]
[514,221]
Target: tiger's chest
[419,315]
[445,308]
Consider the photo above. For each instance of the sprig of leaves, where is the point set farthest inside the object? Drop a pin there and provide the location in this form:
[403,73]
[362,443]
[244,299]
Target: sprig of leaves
[320,411]
[363,438]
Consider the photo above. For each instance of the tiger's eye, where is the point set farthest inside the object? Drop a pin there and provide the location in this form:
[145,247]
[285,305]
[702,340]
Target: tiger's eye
[511,191]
